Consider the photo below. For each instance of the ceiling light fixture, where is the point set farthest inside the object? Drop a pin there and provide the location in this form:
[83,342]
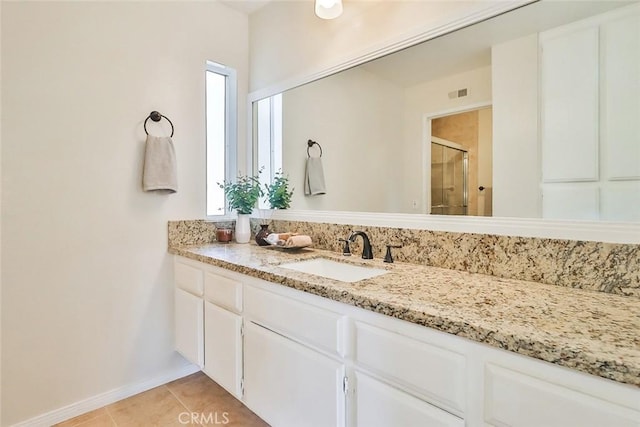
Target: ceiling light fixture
[328,9]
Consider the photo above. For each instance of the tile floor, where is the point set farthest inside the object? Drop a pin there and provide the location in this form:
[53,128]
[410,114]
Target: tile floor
[194,400]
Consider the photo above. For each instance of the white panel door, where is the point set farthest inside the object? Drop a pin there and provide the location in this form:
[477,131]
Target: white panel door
[188,326]
[517,400]
[289,385]
[621,93]
[223,347]
[564,201]
[379,405]
[569,86]
[620,201]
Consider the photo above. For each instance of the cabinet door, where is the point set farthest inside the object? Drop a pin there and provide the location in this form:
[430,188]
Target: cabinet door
[288,384]
[379,405]
[223,347]
[569,89]
[188,326]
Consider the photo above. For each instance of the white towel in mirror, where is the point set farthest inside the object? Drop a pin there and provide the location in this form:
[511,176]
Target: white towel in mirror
[314,177]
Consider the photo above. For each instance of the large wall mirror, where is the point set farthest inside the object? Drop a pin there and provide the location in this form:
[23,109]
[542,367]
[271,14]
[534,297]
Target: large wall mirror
[533,114]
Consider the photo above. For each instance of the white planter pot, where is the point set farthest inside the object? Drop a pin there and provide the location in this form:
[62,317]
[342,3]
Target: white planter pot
[243,229]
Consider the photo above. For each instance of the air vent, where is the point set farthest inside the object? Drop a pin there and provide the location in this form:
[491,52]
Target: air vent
[458,93]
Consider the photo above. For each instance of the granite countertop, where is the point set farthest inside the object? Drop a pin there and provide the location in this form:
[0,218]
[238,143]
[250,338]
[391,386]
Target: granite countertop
[593,332]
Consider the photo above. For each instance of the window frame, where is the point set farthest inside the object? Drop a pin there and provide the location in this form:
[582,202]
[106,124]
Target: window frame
[230,133]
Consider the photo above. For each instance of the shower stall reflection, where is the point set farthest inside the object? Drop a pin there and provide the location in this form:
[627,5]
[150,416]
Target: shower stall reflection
[449,173]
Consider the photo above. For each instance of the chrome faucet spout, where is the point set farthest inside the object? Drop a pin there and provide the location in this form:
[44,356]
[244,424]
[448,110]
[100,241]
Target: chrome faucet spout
[367,252]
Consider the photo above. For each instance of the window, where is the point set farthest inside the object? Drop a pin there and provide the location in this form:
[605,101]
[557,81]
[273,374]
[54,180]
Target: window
[221,112]
[269,138]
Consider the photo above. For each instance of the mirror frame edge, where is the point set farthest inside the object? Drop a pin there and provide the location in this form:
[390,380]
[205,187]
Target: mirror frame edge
[609,232]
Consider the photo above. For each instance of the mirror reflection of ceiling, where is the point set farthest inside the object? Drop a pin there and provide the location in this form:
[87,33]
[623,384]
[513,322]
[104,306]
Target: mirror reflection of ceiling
[377,163]
[470,48]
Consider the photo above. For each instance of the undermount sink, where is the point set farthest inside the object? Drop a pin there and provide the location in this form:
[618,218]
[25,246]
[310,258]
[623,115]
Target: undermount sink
[334,270]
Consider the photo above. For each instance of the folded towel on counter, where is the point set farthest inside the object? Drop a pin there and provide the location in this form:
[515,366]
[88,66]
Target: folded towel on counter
[290,240]
[160,167]
[314,177]
[298,241]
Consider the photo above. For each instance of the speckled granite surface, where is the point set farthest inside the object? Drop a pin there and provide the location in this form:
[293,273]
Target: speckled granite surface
[593,332]
[605,267]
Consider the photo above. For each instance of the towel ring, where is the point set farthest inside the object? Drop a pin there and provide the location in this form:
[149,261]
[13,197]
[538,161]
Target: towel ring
[156,117]
[310,144]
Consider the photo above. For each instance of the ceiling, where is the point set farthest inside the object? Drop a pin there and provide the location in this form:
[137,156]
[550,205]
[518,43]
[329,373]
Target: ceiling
[246,6]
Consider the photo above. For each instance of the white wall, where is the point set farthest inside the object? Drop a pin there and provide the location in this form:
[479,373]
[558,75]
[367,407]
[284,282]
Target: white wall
[427,99]
[304,44]
[485,161]
[357,119]
[1,219]
[516,157]
[87,296]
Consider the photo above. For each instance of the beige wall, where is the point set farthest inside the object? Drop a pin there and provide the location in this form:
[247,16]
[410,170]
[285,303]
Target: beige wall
[357,119]
[87,296]
[485,161]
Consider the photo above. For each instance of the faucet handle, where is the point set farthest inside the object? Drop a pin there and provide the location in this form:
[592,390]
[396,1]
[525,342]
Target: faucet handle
[345,250]
[388,258]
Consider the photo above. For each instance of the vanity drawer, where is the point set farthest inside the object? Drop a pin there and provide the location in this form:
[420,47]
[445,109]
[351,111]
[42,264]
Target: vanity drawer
[510,394]
[223,291]
[299,321]
[435,373]
[188,277]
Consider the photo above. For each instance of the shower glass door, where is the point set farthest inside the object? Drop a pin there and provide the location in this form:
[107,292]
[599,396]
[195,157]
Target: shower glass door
[449,170]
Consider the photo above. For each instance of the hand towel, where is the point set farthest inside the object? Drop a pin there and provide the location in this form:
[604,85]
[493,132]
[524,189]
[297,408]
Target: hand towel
[298,241]
[314,177]
[160,171]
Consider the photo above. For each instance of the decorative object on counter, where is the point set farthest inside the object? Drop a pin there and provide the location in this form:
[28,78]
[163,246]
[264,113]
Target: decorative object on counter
[289,240]
[243,228]
[345,249]
[388,258]
[261,234]
[278,195]
[314,174]
[224,235]
[160,167]
[242,196]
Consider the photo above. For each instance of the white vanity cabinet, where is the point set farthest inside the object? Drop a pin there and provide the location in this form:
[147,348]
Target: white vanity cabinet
[223,329]
[208,321]
[188,311]
[297,359]
[290,385]
[292,360]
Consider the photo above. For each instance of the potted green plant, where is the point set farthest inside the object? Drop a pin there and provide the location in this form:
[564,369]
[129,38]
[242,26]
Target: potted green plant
[278,195]
[242,196]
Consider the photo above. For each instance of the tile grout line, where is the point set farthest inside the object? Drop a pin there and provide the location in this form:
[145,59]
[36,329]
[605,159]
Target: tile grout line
[179,400]
[113,420]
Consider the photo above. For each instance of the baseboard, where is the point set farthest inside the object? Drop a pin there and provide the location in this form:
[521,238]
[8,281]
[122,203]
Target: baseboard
[95,402]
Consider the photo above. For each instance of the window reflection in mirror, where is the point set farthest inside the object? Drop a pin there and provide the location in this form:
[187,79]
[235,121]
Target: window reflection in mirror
[268,139]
